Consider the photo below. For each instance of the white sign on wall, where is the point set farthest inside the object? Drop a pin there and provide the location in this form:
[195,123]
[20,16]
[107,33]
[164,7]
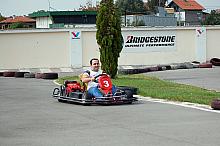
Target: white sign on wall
[149,41]
[76,48]
[201,44]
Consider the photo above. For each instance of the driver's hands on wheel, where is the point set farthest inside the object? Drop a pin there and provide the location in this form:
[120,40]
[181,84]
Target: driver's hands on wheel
[92,79]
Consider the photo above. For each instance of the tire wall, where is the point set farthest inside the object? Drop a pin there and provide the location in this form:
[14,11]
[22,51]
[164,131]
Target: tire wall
[34,49]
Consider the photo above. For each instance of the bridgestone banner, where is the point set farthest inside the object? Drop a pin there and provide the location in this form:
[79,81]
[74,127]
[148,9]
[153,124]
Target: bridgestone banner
[142,41]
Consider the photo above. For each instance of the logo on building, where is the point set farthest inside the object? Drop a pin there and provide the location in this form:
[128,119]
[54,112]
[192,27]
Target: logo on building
[200,31]
[75,35]
[150,41]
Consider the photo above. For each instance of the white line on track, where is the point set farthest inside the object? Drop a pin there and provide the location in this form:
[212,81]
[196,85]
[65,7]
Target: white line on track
[201,107]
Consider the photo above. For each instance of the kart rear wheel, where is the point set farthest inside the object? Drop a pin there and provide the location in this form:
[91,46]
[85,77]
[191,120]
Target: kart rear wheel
[129,94]
[134,90]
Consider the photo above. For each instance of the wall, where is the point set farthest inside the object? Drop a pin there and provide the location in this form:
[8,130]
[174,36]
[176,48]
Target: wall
[213,43]
[56,48]
[34,49]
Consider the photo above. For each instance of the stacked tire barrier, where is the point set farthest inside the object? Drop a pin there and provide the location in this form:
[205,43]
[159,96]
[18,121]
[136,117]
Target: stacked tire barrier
[186,65]
[18,74]
[215,61]
[215,104]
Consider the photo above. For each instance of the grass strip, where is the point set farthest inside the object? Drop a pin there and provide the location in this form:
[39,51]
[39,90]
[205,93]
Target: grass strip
[156,88]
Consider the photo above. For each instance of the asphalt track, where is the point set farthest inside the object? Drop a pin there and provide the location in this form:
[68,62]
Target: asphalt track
[29,116]
[208,78]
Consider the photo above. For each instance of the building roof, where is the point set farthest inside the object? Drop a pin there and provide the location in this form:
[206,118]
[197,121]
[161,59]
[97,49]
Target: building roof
[59,13]
[24,19]
[188,4]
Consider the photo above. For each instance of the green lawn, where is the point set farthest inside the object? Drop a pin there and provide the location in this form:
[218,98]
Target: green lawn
[156,88]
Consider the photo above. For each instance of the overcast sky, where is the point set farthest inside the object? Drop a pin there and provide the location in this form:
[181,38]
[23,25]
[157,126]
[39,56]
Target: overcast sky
[25,7]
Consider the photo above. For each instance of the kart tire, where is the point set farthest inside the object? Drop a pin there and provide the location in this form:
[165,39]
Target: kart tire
[29,75]
[215,104]
[129,94]
[86,97]
[9,74]
[132,89]
[20,74]
[1,74]
[50,76]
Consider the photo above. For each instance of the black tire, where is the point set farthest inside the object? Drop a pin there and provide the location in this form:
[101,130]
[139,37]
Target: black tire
[20,74]
[9,74]
[215,61]
[196,62]
[153,68]
[134,90]
[38,75]
[161,68]
[205,65]
[50,76]
[129,94]
[168,67]
[29,75]
[86,97]
[1,74]
[215,104]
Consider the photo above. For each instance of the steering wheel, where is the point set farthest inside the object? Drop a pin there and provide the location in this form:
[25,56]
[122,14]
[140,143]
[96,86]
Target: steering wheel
[96,77]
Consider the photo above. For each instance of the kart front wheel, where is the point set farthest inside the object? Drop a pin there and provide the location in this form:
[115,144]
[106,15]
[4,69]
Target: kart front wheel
[86,97]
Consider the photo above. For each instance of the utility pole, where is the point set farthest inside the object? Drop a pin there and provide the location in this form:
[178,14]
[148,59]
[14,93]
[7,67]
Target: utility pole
[48,5]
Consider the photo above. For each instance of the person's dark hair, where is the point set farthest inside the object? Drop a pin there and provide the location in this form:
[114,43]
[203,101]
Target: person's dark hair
[93,59]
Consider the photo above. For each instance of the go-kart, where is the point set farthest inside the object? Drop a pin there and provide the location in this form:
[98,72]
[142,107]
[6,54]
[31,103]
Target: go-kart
[73,91]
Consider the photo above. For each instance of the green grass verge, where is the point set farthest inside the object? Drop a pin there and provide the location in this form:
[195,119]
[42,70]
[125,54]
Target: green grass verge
[156,88]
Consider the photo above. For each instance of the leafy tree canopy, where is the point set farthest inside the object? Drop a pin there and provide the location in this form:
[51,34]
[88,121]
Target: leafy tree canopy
[109,36]
[16,25]
[212,19]
[156,3]
[130,5]
[89,6]
[2,17]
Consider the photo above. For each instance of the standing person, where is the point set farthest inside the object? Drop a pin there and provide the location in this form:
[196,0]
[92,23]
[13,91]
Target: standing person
[89,77]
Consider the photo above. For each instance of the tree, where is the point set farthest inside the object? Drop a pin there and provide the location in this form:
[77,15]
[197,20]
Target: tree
[212,19]
[130,5]
[109,36]
[156,3]
[1,17]
[89,6]
[16,25]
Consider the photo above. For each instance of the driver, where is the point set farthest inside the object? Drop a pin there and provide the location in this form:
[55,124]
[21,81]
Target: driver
[89,77]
